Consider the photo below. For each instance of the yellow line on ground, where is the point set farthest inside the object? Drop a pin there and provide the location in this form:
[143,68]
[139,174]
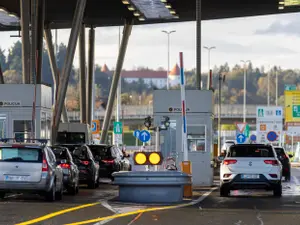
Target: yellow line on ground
[51,215]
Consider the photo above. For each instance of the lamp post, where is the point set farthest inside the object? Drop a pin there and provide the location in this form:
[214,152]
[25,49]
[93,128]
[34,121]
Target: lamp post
[208,49]
[245,88]
[168,33]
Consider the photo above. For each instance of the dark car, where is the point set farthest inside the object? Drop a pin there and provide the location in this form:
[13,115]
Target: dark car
[70,171]
[285,161]
[111,159]
[88,167]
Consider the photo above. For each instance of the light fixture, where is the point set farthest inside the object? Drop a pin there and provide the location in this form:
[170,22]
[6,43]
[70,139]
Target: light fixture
[168,6]
[136,13]
[280,7]
[125,2]
[176,17]
[172,11]
[11,15]
[2,10]
[131,8]
[141,18]
[164,1]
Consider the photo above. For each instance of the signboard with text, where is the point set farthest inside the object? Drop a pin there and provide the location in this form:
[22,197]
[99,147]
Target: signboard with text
[269,124]
[292,106]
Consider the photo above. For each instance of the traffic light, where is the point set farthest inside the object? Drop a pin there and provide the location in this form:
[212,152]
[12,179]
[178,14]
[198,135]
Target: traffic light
[147,122]
[148,158]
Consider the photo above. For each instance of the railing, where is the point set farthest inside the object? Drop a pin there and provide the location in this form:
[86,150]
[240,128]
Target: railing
[140,112]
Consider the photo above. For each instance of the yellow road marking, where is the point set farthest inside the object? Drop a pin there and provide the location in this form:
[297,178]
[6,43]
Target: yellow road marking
[51,215]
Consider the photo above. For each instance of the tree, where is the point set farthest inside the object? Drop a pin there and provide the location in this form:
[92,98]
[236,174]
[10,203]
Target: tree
[12,77]
[14,59]
[3,62]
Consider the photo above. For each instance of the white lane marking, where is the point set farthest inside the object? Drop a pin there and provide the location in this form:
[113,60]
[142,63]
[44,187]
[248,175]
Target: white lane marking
[11,196]
[238,223]
[258,216]
[128,209]
[296,180]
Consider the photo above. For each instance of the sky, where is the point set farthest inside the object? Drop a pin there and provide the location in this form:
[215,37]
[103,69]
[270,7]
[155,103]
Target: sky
[265,40]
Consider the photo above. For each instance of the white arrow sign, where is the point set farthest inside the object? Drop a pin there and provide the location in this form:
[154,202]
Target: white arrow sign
[144,135]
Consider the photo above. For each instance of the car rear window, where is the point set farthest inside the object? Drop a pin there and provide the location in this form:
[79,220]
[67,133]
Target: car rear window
[101,151]
[60,153]
[9,154]
[279,151]
[250,151]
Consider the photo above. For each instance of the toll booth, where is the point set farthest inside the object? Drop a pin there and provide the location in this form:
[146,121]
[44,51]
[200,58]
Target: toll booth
[199,116]
[16,105]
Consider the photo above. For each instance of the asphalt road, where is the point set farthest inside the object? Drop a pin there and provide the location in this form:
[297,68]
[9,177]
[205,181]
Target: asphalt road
[241,208]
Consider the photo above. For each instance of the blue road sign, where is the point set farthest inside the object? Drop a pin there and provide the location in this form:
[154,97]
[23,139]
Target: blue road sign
[272,136]
[253,137]
[94,126]
[144,136]
[136,133]
[240,138]
[278,112]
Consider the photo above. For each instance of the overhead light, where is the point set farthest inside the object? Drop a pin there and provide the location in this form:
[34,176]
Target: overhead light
[2,10]
[172,11]
[125,2]
[280,7]
[168,6]
[11,15]
[164,1]
[137,14]
[281,3]
[176,17]
[131,8]
[141,18]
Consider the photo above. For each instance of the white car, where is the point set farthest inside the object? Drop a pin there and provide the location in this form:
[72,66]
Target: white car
[227,144]
[250,166]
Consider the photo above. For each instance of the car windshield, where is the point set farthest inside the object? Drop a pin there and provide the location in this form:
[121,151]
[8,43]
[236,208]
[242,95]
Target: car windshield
[250,151]
[21,154]
[279,151]
[102,151]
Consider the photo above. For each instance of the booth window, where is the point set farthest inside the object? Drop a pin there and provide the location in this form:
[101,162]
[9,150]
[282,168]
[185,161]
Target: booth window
[48,126]
[43,125]
[23,128]
[196,138]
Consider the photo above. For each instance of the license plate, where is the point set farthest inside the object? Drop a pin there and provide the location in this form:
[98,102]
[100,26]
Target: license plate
[250,176]
[16,178]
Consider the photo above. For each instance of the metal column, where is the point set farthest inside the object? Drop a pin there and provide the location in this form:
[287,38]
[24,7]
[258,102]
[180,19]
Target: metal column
[90,79]
[25,19]
[64,79]
[82,78]
[54,69]
[40,29]
[1,76]
[115,80]
[33,41]
[198,47]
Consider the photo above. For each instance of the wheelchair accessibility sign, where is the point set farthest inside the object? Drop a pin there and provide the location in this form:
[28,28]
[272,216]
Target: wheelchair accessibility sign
[95,128]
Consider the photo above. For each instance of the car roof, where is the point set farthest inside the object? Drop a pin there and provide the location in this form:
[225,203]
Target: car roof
[100,145]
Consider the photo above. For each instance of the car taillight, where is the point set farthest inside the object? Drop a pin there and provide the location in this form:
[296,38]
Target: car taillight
[272,162]
[86,162]
[229,161]
[65,166]
[273,175]
[44,165]
[226,175]
[108,161]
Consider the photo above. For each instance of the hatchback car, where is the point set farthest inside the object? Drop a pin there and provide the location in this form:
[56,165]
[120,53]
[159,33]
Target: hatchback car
[250,166]
[111,159]
[285,161]
[70,171]
[30,167]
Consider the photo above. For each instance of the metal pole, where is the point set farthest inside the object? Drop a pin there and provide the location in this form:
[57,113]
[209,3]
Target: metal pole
[168,72]
[82,79]
[245,89]
[219,116]
[198,47]
[208,73]
[157,139]
[33,41]
[56,45]
[64,79]
[54,70]
[40,30]
[276,74]
[1,76]
[25,20]
[90,78]
[115,81]
[269,88]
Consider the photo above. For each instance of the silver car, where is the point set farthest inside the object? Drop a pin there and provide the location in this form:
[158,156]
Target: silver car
[30,167]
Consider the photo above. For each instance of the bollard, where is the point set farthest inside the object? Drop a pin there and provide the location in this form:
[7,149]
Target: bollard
[186,167]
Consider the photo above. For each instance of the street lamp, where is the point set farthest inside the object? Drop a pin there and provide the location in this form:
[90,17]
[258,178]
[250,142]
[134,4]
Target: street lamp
[245,83]
[208,49]
[168,33]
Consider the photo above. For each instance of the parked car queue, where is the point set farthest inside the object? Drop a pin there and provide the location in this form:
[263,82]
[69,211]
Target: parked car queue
[52,170]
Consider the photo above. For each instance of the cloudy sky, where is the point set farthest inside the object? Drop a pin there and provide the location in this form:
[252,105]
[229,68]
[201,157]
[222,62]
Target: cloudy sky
[265,40]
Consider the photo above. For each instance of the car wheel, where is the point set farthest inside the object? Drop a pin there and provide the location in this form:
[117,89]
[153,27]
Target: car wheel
[59,194]
[50,195]
[277,192]
[92,184]
[288,177]
[224,192]
[2,195]
[72,190]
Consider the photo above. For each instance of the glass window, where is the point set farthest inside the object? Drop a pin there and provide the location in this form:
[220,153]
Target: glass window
[48,126]
[250,151]
[70,138]
[43,125]
[21,154]
[23,128]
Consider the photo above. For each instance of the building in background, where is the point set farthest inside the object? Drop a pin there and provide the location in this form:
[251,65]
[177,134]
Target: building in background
[174,76]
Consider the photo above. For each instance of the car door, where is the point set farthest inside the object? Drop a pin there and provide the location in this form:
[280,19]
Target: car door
[95,165]
[74,168]
[118,156]
[57,170]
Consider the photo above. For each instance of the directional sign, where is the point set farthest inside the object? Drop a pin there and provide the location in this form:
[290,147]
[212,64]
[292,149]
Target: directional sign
[253,137]
[241,127]
[272,136]
[136,133]
[144,136]
[296,110]
[240,138]
[247,130]
[95,127]
[290,87]
[118,129]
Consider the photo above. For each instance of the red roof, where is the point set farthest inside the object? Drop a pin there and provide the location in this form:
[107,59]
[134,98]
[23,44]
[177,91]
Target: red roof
[144,74]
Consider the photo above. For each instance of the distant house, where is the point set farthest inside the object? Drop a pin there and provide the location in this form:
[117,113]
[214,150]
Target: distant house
[150,77]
